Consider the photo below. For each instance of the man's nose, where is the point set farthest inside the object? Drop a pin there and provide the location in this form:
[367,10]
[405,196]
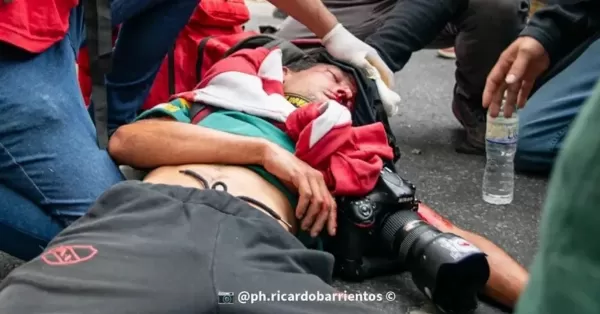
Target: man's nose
[345,97]
[345,93]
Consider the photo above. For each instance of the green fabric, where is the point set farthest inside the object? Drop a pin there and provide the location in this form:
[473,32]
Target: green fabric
[244,124]
[565,275]
[241,124]
[177,109]
[233,122]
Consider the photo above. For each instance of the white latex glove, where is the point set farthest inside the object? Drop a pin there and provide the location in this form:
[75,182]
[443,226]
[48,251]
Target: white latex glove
[342,45]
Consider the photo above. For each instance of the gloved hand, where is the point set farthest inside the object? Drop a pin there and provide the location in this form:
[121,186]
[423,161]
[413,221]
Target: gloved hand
[341,44]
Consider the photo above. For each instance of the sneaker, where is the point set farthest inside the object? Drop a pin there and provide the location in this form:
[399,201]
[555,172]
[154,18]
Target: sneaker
[447,53]
[474,122]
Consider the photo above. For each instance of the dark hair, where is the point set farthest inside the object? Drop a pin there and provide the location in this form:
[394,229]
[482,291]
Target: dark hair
[311,59]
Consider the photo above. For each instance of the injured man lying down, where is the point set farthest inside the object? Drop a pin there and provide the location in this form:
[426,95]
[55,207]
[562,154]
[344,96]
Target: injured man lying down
[234,194]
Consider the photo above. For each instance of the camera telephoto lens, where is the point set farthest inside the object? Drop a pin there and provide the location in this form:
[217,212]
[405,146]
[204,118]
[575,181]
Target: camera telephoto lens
[445,267]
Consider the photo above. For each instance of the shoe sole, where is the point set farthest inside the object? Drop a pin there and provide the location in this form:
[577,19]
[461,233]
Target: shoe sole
[446,55]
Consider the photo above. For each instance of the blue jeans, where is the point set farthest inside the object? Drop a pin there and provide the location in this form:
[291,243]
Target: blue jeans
[51,169]
[548,114]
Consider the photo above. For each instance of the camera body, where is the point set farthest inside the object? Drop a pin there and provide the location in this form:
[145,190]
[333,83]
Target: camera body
[382,233]
[358,251]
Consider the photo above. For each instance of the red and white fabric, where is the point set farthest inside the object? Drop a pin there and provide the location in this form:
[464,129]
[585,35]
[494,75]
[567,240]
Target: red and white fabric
[251,81]
[350,158]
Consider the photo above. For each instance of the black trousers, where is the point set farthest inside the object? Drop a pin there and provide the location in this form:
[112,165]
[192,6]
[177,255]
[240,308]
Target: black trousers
[146,248]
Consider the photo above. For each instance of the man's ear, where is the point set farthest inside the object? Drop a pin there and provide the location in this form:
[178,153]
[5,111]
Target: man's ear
[286,73]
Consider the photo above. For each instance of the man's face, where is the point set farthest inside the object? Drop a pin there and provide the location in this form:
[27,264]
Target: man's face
[321,83]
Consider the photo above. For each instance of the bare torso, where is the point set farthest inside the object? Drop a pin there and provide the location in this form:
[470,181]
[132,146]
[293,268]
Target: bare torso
[240,181]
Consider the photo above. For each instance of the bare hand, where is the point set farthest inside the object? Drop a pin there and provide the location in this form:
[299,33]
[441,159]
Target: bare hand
[516,71]
[316,206]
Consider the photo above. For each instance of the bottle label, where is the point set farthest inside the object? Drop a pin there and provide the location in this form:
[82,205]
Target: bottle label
[501,131]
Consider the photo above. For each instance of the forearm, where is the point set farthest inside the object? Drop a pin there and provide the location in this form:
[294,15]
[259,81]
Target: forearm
[149,144]
[561,28]
[507,278]
[312,13]
[410,26]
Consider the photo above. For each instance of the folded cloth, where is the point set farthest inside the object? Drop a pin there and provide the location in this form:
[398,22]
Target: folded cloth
[251,81]
[350,158]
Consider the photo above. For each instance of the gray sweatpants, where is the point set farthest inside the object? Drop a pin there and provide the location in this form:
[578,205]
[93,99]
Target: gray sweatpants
[160,249]
[480,31]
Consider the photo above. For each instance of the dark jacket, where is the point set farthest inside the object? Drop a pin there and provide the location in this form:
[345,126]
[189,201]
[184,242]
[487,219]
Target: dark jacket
[563,28]
[412,25]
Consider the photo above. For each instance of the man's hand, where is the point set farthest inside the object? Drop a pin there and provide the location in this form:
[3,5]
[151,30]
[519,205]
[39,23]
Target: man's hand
[516,71]
[342,45]
[316,206]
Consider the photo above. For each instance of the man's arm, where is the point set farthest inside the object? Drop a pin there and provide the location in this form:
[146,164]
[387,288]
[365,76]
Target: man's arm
[507,278]
[409,27]
[312,13]
[342,45]
[151,143]
[156,142]
[561,28]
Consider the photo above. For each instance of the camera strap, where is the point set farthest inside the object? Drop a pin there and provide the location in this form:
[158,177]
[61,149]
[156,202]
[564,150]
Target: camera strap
[99,43]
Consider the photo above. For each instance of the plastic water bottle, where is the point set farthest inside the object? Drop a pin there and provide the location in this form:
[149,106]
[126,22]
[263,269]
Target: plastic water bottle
[501,145]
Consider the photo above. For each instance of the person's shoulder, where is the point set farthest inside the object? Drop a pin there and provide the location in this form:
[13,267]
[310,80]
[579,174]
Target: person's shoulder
[177,109]
[174,105]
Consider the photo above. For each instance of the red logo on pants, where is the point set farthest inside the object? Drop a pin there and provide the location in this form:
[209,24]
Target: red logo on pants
[69,254]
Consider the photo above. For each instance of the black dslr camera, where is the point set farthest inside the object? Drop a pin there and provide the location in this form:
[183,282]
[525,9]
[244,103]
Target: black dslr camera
[382,233]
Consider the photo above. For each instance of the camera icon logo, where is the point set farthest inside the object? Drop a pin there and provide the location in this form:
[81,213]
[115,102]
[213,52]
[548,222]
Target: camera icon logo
[225,297]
